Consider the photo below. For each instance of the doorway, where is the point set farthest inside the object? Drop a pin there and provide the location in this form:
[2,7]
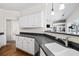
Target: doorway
[12,28]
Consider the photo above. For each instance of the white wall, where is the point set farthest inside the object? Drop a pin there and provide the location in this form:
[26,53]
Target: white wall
[4,15]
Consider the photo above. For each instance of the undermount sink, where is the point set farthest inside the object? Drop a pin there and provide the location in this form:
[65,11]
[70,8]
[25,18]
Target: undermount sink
[55,48]
[60,50]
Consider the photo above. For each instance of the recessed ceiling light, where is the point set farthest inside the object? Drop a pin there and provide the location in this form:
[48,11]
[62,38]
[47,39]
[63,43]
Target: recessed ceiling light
[61,6]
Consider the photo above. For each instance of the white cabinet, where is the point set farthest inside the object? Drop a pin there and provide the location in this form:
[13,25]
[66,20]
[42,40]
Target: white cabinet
[33,20]
[23,21]
[26,44]
[2,40]
[19,43]
[17,39]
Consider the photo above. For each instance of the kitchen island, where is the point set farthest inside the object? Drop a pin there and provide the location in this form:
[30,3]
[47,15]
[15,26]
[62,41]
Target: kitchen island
[42,39]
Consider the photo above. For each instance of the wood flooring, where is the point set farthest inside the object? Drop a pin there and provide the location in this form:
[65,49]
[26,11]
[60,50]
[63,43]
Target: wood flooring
[11,50]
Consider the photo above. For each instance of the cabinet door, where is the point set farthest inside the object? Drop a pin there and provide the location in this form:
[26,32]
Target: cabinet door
[16,39]
[37,20]
[33,20]
[20,42]
[25,44]
[2,40]
[28,21]
[28,45]
[23,21]
[31,46]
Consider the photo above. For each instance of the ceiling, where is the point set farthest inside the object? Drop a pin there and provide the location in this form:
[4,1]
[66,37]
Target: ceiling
[67,11]
[17,6]
[69,8]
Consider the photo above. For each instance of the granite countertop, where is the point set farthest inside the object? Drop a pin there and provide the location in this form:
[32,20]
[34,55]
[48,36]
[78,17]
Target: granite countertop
[26,35]
[42,40]
[63,33]
[1,33]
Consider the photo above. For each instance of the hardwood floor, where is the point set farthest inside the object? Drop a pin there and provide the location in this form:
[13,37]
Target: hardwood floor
[10,50]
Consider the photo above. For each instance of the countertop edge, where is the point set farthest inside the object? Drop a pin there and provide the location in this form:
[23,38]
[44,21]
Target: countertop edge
[1,33]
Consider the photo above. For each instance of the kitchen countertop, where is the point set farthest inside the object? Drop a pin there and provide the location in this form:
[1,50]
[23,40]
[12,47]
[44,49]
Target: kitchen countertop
[63,33]
[1,33]
[47,37]
[42,40]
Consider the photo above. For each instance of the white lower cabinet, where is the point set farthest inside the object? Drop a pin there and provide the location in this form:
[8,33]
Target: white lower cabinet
[19,42]
[26,44]
[2,40]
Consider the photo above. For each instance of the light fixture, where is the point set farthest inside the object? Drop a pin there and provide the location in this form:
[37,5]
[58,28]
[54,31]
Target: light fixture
[61,6]
[52,13]
[52,10]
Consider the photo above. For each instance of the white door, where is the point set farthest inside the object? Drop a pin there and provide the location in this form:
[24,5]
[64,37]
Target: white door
[12,28]
[8,29]
[15,28]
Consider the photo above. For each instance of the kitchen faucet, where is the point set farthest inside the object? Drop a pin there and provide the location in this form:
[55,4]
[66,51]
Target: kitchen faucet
[66,41]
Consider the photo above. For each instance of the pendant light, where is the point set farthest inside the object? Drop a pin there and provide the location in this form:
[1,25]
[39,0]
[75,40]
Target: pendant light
[52,10]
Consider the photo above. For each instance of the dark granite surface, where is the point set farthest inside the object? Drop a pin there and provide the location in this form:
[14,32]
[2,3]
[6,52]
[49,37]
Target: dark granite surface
[26,35]
[63,33]
[42,40]
[1,33]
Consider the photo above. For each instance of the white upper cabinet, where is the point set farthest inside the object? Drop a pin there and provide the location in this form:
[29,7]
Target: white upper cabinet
[33,20]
